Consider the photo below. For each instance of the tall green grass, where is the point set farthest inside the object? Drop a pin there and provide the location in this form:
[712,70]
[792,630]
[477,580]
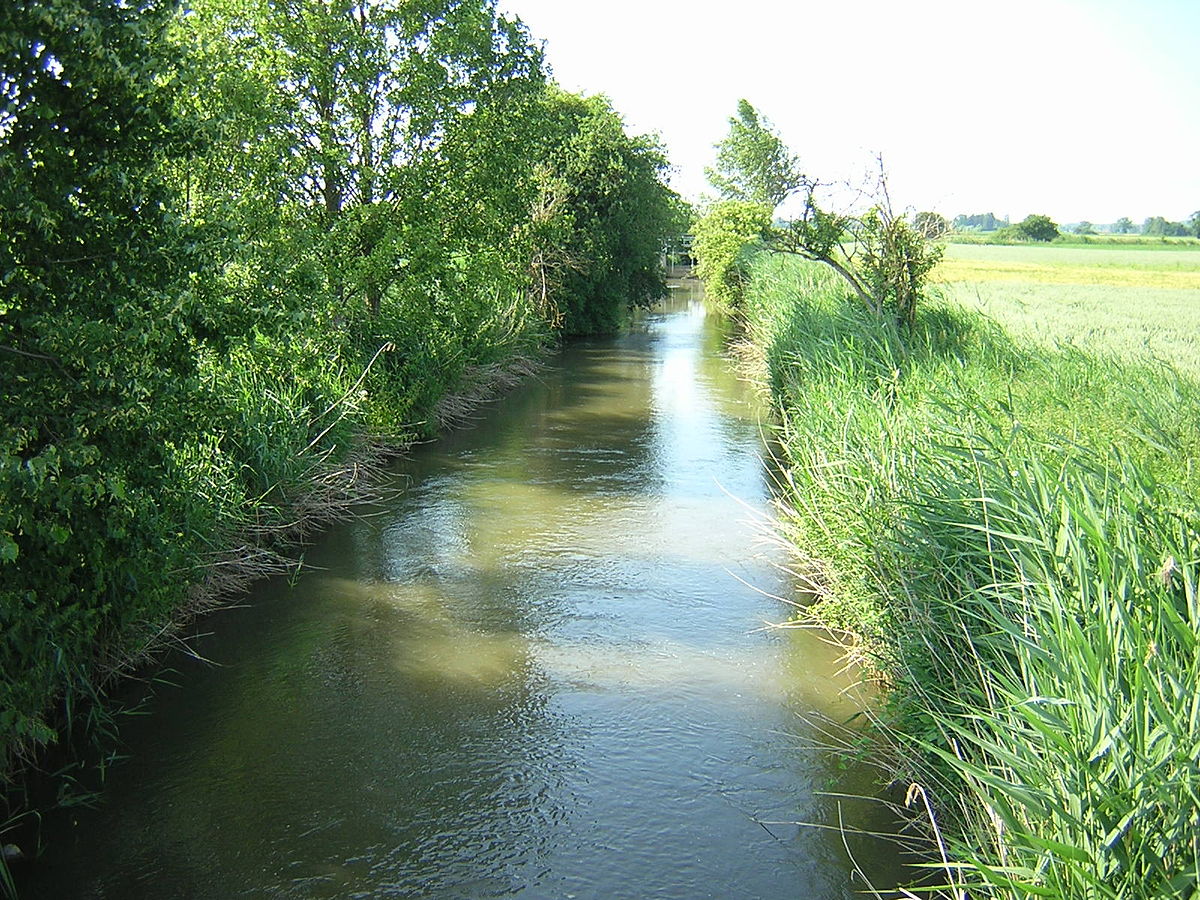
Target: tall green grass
[1012,530]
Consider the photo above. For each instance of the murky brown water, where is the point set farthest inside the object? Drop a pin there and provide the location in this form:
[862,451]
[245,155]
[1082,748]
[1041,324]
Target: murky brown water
[541,670]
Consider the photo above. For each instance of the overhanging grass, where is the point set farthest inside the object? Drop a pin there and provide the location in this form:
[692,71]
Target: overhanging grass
[1012,529]
[280,433]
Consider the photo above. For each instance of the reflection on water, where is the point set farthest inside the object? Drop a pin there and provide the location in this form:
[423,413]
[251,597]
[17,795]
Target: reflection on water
[540,670]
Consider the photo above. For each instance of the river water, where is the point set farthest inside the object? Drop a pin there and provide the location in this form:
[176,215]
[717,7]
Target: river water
[540,670]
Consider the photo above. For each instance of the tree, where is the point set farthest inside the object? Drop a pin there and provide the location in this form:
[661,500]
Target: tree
[1037,228]
[98,328]
[1194,224]
[979,221]
[1123,225]
[603,213]
[883,258]
[1157,226]
[931,225]
[724,240]
[1084,228]
[753,163]
[339,110]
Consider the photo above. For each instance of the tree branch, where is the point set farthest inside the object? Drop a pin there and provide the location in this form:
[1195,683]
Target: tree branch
[849,276]
[29,355]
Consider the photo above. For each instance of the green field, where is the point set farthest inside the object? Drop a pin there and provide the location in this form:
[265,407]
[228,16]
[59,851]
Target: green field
[1130,301]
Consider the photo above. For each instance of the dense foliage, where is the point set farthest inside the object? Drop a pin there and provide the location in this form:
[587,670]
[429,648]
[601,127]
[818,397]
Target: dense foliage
[1037,228]
[930,225]
[238,241]
[99,328]
[754,165]
[1157,226]
[606,213]
[726,239]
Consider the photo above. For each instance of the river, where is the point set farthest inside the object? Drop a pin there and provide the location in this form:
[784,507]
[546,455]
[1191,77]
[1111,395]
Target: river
[540,669]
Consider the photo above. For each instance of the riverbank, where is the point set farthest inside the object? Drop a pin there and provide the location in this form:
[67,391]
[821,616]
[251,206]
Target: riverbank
[209,345]
[287,438]
[1010,530]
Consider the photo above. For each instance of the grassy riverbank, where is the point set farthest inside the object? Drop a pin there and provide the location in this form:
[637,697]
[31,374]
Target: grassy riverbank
[280,435]
[1011,527]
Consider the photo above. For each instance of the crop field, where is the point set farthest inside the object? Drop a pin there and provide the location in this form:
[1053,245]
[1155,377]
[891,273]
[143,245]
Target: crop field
[1130,302]
[1090,241]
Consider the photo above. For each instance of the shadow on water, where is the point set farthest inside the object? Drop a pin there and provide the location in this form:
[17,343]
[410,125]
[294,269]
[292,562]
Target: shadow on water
[540,669]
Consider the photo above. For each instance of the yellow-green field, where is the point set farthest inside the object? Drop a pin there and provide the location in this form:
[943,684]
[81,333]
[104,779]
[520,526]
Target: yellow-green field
[1129,301]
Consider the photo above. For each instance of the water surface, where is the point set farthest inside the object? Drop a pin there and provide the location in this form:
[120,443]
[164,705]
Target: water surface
[540,670]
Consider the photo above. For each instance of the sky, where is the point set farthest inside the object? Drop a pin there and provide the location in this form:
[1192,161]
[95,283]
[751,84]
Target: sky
[1083,110]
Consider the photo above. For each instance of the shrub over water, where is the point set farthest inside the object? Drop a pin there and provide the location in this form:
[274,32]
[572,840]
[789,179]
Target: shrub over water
[726,239]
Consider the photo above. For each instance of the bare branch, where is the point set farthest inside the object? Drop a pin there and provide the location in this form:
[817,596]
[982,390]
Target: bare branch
[29,355]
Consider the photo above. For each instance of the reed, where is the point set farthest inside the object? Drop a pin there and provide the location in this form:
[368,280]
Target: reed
[1012,532]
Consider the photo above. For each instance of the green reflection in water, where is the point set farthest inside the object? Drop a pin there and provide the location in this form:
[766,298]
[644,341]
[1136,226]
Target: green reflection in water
[540,669]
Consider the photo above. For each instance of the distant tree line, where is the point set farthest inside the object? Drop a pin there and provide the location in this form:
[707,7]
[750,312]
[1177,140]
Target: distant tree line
[979,222]
[1155,226]
[1160,227]
[1033,227]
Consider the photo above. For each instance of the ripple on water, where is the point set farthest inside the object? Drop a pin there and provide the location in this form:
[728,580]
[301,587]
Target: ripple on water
[540,670]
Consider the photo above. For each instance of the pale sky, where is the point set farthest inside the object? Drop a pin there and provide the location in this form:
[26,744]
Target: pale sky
[1077,109]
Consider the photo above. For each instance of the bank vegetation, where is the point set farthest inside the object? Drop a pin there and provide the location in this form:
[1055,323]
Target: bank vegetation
[248,249]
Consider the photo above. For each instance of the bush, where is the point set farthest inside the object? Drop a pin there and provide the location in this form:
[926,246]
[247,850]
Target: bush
[726,239]
[1037,228]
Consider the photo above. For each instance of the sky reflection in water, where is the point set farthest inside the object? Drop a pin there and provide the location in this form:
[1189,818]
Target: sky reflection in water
[533,671]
